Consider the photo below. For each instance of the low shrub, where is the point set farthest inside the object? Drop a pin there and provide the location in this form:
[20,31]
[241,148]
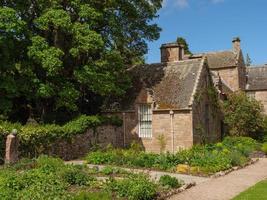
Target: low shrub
[107,170]
[34,183]
[232,151]
[237,159]
[75,176]
[170,182]
[264,147]
[93,196]
[135,187]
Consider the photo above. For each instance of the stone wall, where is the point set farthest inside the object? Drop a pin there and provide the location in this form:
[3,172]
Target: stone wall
[161,126]
[79,145]
[231,76]
[207,117]
[262,97]
[242,72]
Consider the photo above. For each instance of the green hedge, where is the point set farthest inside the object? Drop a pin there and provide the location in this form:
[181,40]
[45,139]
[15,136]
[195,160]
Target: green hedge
[36,139]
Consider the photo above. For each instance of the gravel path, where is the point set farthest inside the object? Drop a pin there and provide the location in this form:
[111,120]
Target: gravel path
[153,174]
[226,187]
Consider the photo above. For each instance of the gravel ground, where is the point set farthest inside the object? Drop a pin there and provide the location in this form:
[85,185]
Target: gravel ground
[154,174]
[226,187]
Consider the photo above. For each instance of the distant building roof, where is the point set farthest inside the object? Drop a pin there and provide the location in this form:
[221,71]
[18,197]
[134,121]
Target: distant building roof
[257,77]
[170,84]
[222,59]
[219,59]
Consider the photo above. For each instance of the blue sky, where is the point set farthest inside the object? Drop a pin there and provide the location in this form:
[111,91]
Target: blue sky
[210,25]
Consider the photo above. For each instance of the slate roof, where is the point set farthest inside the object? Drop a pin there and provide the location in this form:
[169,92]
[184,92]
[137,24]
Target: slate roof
[257,78]
[170,84]
[221,59]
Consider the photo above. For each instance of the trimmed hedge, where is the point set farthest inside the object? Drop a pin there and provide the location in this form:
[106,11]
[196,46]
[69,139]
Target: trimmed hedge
[35,139]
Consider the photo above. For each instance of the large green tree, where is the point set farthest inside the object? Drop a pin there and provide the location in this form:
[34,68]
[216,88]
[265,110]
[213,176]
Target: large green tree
[243,115]
[67,55]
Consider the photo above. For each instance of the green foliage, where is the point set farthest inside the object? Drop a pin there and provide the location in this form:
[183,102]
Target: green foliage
[69,55]
[211,158]
[42,182]
[243,115]
[136,187]
[93,196]
[170,182]
[182,41]
[36,139]
[264,147]
[75,176]
[50,178]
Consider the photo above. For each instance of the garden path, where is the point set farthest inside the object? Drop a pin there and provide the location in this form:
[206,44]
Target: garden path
[226,187]
[153,174]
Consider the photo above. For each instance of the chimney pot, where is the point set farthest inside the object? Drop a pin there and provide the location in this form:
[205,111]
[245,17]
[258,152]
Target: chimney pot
[172,52]
[236,44]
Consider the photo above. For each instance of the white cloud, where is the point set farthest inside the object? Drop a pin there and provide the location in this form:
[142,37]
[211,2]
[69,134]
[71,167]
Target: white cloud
[185,3]
[175,3]
[181,3]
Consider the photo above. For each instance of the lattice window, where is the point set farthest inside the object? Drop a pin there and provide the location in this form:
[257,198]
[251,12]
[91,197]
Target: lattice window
[145,120]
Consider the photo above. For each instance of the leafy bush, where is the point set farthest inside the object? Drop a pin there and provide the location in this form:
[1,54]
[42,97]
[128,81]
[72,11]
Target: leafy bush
[37,183]
[237,159]
[93,196]
[243,115]
[169,182]
[245,145]
[264,147]
[75,176]
[135,187]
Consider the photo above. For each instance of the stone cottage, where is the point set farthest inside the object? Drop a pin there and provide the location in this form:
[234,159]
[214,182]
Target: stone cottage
[173,104]
[256,86]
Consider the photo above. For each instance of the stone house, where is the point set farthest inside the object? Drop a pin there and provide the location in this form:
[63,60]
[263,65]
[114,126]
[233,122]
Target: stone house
[173,104]
[256,86]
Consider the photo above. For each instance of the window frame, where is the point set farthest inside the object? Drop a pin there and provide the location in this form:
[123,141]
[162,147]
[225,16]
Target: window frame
[149,133]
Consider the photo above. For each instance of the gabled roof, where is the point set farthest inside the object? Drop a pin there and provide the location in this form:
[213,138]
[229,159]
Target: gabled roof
[220,59]
[171,85]
[257,78]
[220,84]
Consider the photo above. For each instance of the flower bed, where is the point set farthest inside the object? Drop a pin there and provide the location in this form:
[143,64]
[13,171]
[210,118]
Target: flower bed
[50,178]
[206,159]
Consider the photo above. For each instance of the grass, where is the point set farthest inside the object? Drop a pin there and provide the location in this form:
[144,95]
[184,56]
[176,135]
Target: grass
[256,192]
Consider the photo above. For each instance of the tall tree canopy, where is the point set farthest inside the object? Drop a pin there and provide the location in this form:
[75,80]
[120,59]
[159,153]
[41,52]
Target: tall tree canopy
[65,55]
[181,40]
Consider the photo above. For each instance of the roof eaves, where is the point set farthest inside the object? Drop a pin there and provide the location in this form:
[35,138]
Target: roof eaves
[197,81]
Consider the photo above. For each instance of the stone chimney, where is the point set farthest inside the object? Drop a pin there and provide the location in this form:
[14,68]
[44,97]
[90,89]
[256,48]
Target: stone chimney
[236,44]
[172,52]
